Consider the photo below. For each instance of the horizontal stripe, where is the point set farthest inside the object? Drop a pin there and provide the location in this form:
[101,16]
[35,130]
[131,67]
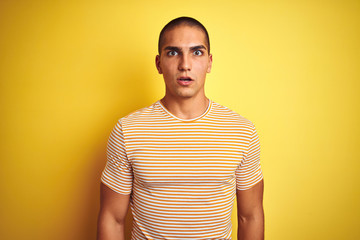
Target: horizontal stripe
[182,174]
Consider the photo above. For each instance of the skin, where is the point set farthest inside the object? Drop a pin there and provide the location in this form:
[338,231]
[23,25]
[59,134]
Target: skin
[112,215]
[250,213]
[183,54]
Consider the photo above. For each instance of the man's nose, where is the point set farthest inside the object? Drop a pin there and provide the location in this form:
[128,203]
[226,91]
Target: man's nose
[185,63]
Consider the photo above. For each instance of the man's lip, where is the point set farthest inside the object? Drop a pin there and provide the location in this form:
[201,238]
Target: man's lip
[185,81]
[184,78]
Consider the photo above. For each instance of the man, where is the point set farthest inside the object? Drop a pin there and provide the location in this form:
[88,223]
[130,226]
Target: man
[180,161]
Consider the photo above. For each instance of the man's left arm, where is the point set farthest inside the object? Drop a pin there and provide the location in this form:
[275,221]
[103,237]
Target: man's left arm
[250,212]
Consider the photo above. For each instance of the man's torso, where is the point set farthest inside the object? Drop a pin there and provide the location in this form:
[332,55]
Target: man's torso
[184,171]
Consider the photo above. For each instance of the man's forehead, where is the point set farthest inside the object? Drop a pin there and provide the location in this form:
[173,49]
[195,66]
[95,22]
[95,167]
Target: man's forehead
[184,37]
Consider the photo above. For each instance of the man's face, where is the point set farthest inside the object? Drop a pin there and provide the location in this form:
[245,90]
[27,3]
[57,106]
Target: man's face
[184,62]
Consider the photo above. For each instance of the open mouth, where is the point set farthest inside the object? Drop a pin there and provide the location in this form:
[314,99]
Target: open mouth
[185,81]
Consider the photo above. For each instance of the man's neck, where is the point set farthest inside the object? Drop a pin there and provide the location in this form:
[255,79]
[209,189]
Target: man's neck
[186,108]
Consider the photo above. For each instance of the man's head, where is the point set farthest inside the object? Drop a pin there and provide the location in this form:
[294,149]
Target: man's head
[182,21]
[184,59]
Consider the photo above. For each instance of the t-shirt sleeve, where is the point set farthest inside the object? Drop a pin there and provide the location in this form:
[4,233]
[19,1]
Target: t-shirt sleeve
[249,172]
[117,174]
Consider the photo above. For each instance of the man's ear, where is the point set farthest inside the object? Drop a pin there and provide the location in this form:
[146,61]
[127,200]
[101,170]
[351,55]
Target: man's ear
[209,64]
[157,62]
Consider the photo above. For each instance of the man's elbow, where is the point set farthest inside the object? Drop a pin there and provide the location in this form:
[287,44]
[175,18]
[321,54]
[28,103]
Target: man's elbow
[255,216]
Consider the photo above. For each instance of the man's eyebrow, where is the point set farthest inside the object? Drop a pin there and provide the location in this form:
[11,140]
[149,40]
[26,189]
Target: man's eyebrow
[171,48]
[198,47]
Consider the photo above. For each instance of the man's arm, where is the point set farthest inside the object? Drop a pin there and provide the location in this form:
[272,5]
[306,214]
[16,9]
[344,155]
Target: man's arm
[251,213]
[113,209]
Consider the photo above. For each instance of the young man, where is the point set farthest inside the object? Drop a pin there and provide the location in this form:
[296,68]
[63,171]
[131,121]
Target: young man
[181,161]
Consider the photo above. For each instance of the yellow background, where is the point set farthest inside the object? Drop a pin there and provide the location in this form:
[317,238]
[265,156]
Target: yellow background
[70,69]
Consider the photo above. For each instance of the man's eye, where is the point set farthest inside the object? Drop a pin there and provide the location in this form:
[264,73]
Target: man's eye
[172,53]
[198,53]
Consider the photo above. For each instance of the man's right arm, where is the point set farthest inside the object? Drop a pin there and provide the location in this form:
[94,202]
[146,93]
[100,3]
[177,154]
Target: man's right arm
[113,209]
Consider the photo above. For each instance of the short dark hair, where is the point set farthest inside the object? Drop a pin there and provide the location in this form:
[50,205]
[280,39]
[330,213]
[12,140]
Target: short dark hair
[187,21]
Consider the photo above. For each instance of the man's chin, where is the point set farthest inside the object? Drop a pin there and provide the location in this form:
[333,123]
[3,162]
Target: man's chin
[186,95]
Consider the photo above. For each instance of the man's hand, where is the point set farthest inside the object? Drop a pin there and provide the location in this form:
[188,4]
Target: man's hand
[251,213]
[113,209]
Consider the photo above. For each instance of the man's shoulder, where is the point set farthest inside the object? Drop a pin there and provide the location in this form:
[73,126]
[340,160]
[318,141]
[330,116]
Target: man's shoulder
[226,114]
[142,114]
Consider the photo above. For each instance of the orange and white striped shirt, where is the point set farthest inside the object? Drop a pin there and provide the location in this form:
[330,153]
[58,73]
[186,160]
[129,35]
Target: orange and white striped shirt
[182,174]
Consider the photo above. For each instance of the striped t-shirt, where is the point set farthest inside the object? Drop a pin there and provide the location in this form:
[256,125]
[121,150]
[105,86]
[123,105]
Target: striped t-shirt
[182,174]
